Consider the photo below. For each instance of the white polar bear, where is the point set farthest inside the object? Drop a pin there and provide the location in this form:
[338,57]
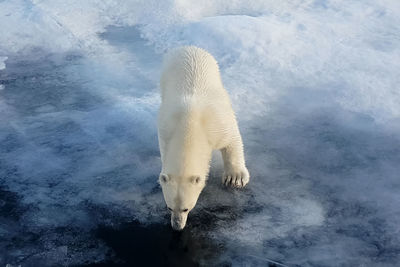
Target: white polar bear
[195,117]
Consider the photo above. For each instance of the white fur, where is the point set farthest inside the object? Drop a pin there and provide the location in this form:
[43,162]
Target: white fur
[195,117]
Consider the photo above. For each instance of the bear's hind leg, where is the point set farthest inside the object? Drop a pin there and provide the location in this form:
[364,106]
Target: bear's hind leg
[235,171]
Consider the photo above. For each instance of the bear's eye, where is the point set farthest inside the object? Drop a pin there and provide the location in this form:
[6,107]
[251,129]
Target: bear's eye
[169,208]
[185,210]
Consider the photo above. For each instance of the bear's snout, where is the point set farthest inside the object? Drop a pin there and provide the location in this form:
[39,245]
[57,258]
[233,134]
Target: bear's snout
[178,222]
[177,226]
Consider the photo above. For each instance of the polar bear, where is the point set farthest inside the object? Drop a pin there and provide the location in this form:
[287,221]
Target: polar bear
[195,117]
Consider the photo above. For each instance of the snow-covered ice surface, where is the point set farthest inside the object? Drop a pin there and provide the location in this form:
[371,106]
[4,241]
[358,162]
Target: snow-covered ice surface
[316,88]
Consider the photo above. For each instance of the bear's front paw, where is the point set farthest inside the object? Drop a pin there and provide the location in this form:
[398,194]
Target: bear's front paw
[236,177]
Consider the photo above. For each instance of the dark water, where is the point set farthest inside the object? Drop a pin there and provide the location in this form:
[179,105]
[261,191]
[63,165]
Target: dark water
[154,245]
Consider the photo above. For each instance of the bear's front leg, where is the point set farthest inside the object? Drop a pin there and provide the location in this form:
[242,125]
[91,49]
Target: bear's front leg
[235,171]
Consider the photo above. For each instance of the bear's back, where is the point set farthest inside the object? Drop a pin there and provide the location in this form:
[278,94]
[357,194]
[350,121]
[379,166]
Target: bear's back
[189,71]
[194,100]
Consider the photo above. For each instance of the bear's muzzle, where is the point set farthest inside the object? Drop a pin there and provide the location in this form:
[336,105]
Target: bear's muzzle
[178,221]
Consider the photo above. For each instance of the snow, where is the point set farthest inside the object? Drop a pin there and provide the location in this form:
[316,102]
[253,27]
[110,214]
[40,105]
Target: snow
[3,63]
[315,87]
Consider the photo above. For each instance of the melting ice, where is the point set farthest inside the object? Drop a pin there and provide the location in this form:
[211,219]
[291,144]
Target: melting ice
[315,88]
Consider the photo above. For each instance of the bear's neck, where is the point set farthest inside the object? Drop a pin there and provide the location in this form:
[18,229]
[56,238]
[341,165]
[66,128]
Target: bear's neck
[188,152]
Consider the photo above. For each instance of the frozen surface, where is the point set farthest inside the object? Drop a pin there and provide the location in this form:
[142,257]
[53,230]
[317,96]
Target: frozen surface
[316,88]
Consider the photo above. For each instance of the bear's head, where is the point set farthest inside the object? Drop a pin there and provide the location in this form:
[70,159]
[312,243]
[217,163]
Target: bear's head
[180,194]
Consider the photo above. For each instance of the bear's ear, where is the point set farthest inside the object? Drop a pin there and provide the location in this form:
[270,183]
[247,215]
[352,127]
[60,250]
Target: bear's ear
[195,179]
[163,178]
